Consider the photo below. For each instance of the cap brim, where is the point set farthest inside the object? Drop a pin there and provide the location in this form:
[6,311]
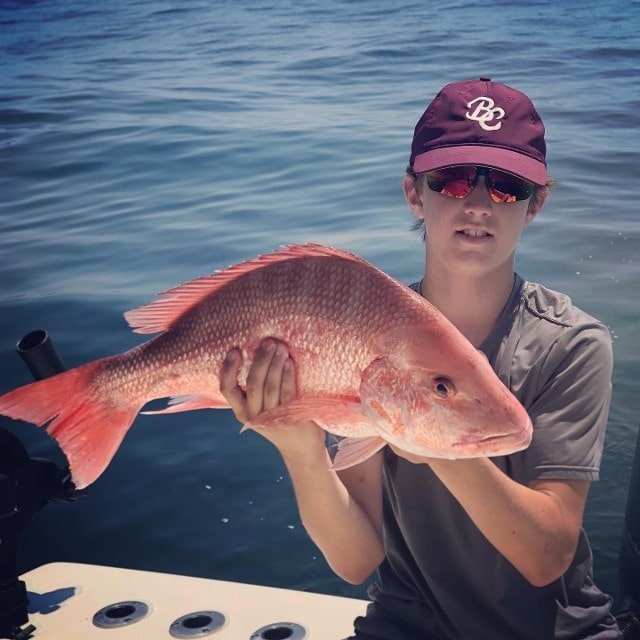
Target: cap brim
[505,159]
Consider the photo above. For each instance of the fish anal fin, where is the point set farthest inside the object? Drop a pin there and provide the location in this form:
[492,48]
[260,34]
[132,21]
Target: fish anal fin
[340,416]
[352,451]
[160,314]
[178,404]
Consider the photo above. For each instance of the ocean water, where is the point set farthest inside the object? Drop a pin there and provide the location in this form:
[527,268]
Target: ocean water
[143,144]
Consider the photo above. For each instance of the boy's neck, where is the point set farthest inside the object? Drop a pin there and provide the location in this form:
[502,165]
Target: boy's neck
[473,305]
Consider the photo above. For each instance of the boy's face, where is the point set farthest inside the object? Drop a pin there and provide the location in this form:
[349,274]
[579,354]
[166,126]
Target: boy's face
[473,234]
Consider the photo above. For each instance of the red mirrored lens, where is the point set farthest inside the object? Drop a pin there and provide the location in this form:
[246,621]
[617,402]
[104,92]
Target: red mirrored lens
[458,182]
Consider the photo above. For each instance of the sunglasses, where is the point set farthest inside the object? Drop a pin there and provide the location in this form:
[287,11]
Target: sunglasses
[460,181]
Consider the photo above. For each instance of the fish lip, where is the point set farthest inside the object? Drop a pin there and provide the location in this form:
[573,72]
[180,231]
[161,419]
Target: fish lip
[511,437]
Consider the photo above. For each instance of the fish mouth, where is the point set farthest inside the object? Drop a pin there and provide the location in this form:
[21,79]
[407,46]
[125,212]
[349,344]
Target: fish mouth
[480,441]
[513,441]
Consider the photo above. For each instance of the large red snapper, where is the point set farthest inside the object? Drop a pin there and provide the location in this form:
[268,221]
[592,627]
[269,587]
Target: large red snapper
[375,362]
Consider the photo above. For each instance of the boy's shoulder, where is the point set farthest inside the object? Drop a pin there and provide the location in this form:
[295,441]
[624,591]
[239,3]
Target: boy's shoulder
[554,307]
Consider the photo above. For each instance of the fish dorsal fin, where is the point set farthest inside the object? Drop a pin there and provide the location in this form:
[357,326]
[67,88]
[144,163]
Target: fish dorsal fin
[160,314]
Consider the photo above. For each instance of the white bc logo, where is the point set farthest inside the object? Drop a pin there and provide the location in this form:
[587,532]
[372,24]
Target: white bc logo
[485,111]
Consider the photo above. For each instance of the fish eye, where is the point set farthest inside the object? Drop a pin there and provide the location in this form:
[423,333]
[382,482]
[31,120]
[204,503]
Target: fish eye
[443,387]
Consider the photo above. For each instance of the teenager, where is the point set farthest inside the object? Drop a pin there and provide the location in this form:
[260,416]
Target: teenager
[481,548]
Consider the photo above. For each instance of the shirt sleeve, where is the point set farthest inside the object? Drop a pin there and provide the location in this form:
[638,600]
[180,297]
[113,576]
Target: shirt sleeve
[571,406]
[332,442]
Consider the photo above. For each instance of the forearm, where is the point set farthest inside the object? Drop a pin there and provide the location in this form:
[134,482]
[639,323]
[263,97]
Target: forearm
[347,530]
[535,529]
[348,538]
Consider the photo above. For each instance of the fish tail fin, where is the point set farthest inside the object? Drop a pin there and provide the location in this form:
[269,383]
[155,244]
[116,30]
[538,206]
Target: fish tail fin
[86,420]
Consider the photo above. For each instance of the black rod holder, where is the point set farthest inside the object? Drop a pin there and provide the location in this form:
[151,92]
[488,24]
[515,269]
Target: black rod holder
[39,354]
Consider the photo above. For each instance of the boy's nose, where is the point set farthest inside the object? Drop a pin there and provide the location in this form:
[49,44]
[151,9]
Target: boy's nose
[479,201]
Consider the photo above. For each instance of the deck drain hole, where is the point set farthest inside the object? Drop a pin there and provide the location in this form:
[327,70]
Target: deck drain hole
[281,631]
[277,634]
[120,614]
[197,624]
[122,611]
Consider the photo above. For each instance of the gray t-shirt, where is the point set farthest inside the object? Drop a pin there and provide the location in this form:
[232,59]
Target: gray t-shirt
[441,578]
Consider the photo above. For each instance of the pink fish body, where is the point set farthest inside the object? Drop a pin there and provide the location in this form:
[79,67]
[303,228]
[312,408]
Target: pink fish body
[375,363]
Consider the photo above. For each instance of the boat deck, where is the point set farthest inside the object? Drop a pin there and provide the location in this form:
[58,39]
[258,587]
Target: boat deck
[85,602]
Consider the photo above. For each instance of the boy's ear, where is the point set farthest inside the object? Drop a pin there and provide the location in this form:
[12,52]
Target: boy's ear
[412,195]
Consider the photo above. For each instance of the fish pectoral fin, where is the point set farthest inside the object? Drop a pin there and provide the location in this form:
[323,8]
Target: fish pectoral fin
[352,451]
[343,417]
[178,404]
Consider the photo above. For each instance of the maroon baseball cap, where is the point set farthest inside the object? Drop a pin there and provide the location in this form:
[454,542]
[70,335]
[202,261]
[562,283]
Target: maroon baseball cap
[483,123]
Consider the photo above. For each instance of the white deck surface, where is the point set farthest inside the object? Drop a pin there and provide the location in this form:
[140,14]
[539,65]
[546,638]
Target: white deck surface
[65,596]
